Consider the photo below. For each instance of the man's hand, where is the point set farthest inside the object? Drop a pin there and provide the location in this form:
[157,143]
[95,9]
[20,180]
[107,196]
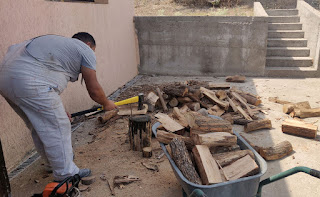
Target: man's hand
[109,105]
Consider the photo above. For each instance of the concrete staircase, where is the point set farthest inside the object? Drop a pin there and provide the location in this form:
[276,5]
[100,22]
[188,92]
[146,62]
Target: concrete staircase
[287,51]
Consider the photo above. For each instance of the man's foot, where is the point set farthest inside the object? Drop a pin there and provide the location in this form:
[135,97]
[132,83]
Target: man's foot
[84,172]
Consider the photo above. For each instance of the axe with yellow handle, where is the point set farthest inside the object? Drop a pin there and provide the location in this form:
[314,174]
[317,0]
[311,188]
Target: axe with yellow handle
[137,99]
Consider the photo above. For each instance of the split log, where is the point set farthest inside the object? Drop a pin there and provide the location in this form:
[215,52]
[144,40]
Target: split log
[173,102]
[164,105]
[207,166]
[245,115]
[224,149]
[276,152]
[216,111]
[107,116]
[197,99]
[307,113]
[212,85]
[227,158]
[127,110]
[227,117]
[258,124]
[168,123]
[207,124]
[166,138]
[215,139]
[190,117]
[277,100]
[243,167]
[213,98]
[244,103]
[184,99]
[232,104]
[181,119]
[147,152]
[176,91]
[182,159]
[236,79]
[251,98]
[299,128]
[221,94]
[288,108]
[151,99]
[240,121]
[184,109]
[194,106]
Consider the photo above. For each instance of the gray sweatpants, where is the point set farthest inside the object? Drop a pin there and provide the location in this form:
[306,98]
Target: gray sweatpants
[33,91]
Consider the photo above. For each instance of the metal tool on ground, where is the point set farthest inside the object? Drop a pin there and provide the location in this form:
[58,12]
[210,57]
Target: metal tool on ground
[137,99]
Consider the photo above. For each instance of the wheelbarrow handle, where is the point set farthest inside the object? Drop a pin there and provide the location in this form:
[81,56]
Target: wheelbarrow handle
[315,173]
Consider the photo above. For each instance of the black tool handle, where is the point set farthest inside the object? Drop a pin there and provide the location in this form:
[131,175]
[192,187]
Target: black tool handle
[84,112]
[315,173]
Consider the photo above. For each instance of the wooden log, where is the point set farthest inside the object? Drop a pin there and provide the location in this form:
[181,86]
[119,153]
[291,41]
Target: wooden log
[277,100]
[151,100]
[212,85]
[184,99]
[276,152]
[168,123]
[173,102]
[164,105]
[181,119]
[240,121]
[216,111]
[176,91]
[208,124]
[166,137]
[244,103]
[130,110]
[241,168]
[307,113]
[227,117]
[299,128]
[182,159]
[190,117]
[213,98]
[194,106]
[207,166]
[251,98]
[215,139]
[258,124]
[221,94]
[232,104]
[288,108]
[147,152]
[184,109]
[197,99]
[245,115]
[227,158]
[236,79]
[107,116]
[224,149]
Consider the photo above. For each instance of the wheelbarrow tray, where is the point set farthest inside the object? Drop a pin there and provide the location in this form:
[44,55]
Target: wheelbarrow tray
[243,187]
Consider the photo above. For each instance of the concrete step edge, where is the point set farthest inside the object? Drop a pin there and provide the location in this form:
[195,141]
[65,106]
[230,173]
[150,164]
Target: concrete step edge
[289,58]
[286,31]
[288,48]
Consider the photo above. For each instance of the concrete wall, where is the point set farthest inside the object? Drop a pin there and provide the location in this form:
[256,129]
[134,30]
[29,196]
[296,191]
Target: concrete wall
[313,3]
[278,4]
[310,18]
[112,26]
[215,46]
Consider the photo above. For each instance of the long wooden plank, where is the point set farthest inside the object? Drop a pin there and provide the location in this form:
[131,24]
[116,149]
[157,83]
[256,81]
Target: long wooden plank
[207,166]
[232,104]
[299,128]
[241,168]
[168,123]
[213,98]
[215,139]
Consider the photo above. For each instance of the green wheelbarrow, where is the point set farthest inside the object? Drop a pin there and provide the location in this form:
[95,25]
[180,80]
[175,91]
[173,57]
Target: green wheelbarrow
[312,172]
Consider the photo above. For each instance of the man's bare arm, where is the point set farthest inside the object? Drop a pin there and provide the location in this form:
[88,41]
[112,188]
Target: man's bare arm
[95,90]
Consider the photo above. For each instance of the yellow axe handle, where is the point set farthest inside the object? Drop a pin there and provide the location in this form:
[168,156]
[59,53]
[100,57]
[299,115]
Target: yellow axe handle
[128,101]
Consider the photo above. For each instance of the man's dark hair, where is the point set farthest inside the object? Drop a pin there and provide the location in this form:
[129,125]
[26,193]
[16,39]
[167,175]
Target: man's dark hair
[85,37]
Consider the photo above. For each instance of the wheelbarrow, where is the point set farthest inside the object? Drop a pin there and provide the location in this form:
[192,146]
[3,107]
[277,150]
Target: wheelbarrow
[243,187]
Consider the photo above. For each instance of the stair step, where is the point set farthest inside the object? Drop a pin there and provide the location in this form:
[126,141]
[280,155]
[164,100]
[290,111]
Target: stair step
[291,72]
[286,34]
[284,19]
[285,26]
[288,51]
[287,42]
[282,12]
[289,62]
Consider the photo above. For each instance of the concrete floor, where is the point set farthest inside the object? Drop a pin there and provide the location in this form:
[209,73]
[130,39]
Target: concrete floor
[305,150]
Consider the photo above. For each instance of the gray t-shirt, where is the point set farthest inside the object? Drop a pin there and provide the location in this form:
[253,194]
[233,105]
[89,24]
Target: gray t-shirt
[62,54]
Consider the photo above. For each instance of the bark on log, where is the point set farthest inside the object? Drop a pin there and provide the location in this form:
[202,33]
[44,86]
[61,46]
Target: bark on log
[147,152]
[215,139]
[236,79]
[227,158]
[276,152]
[218,85]
[182,159]
[288,108]
[173,102]
[107,116]
[184,99]
[207,166]
[307,113]
[176,91]
[166,137]
[299,128]
[208,124]
[258,124]
[213,98]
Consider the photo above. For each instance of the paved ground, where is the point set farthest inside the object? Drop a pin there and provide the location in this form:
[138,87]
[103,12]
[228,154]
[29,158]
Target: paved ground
[106,149]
